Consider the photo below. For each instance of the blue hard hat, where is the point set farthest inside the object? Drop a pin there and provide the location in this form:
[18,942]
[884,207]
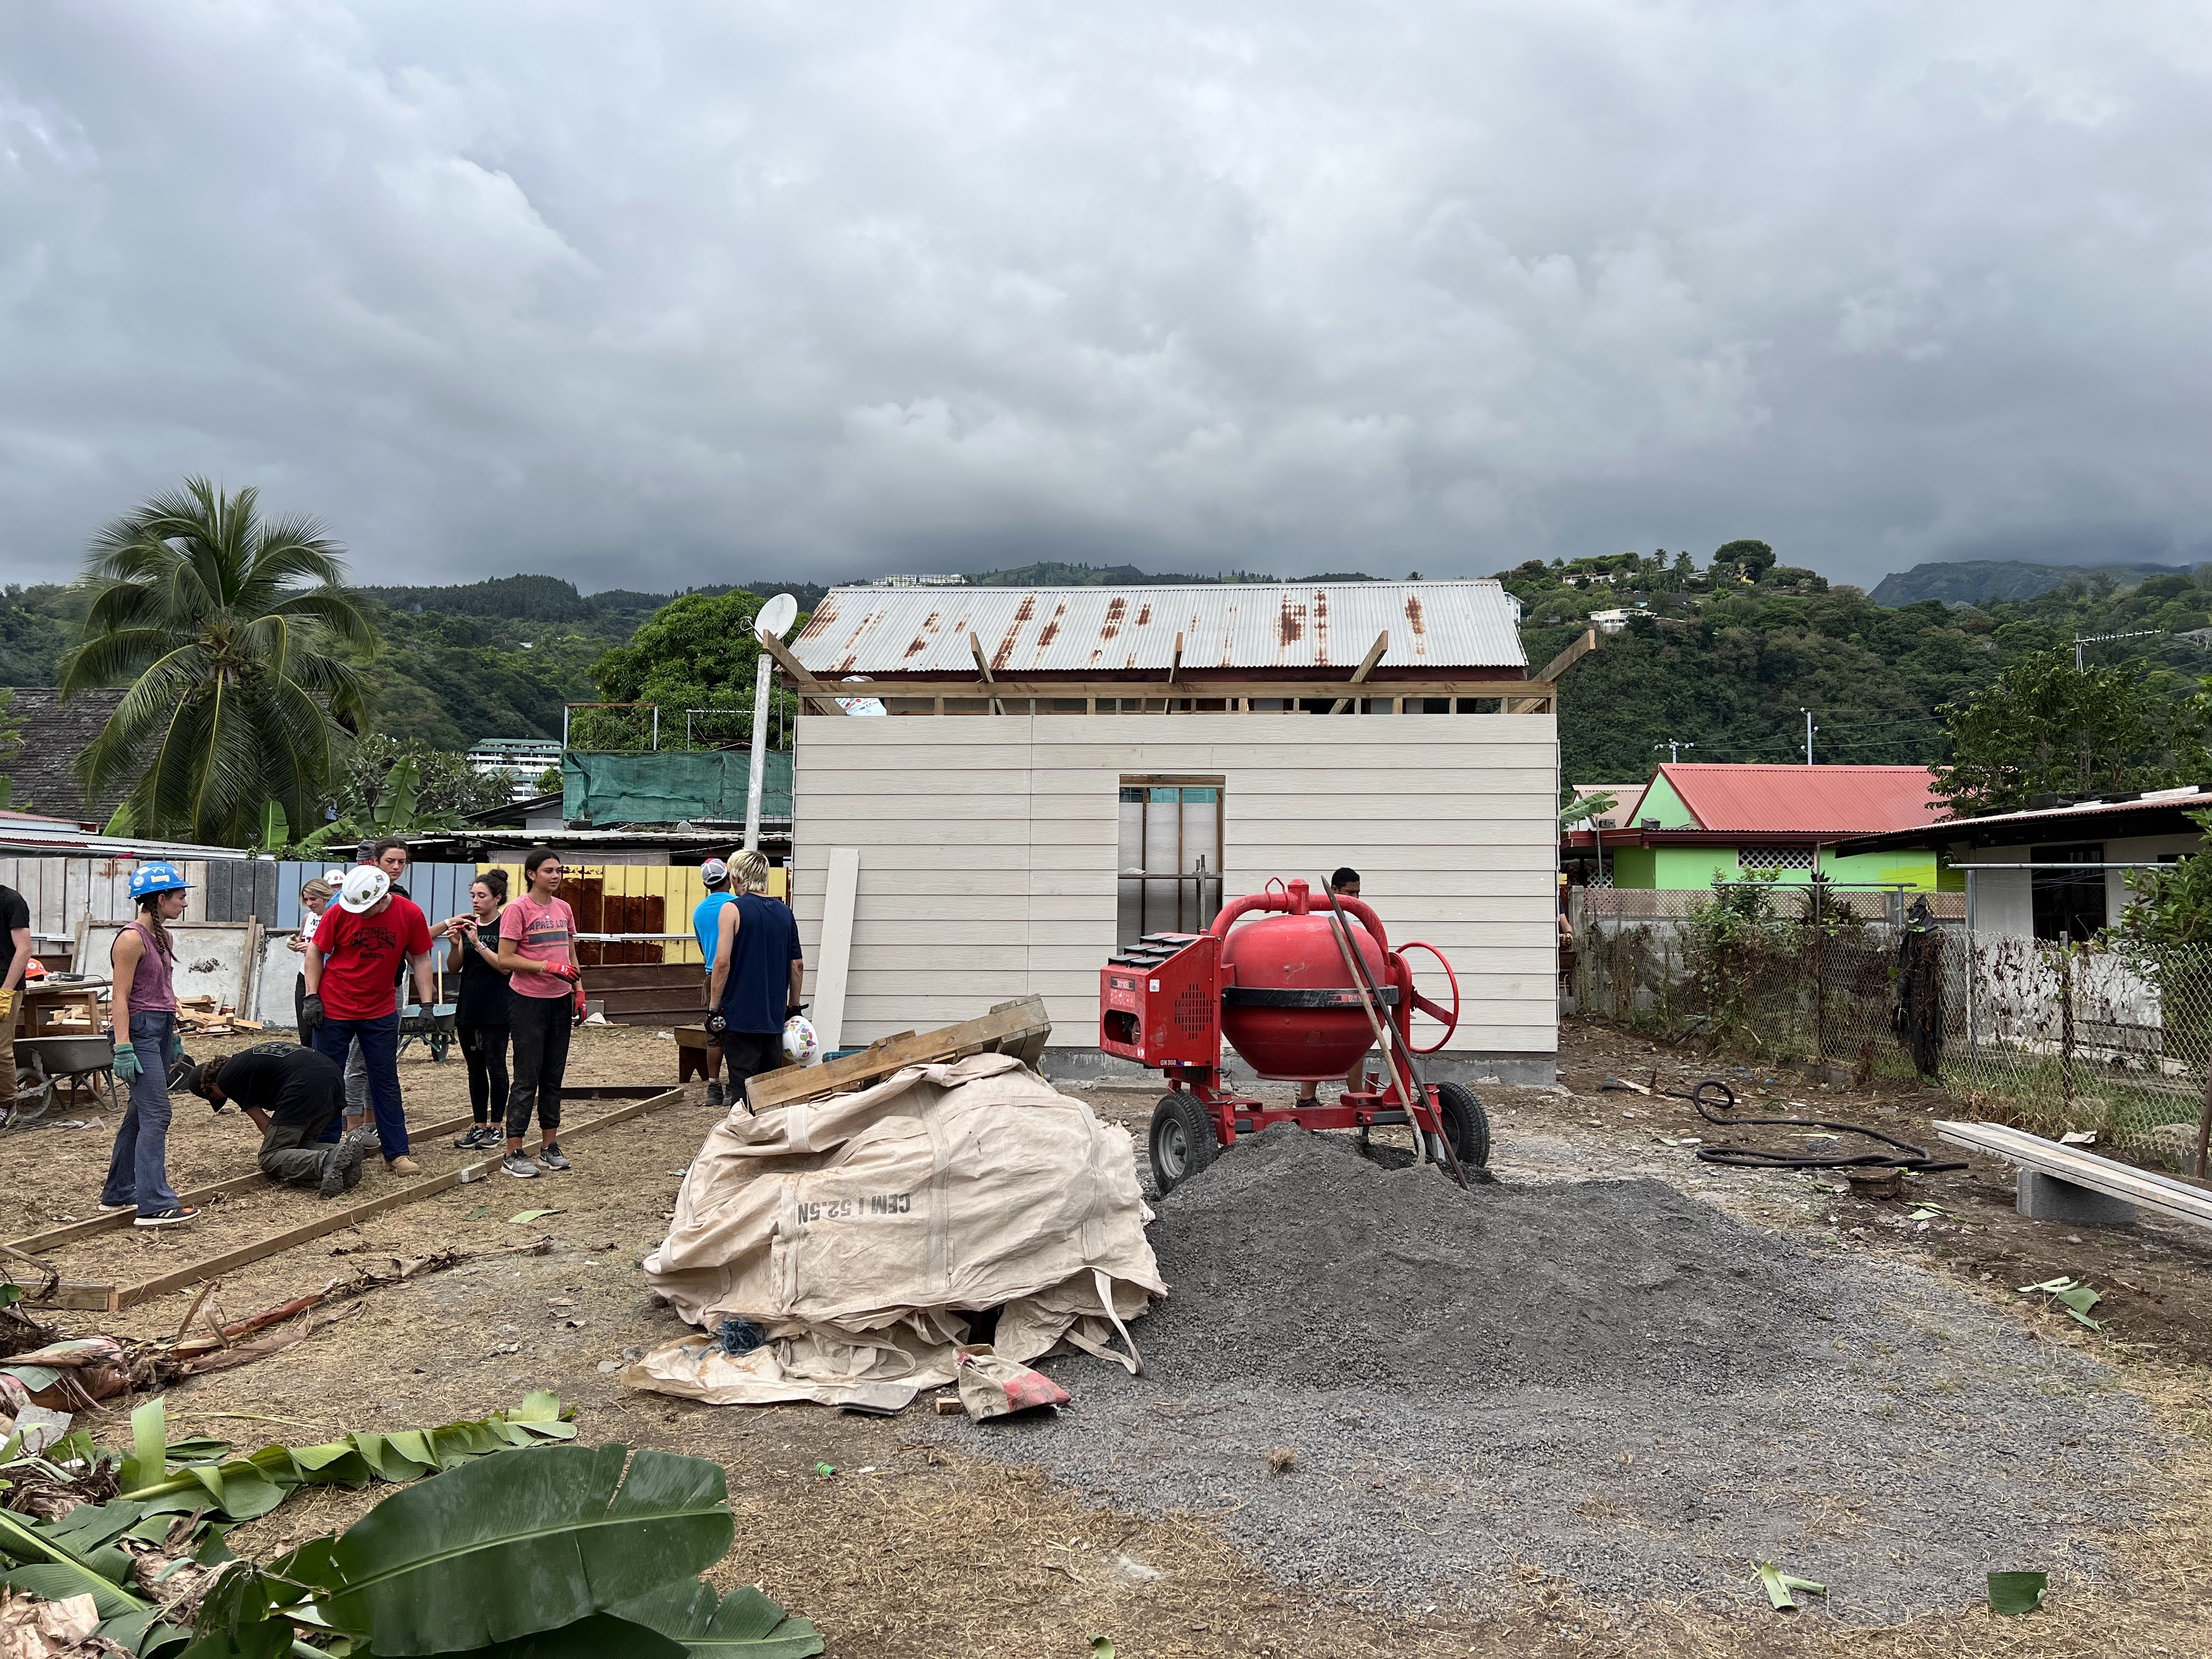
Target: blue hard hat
[157,878]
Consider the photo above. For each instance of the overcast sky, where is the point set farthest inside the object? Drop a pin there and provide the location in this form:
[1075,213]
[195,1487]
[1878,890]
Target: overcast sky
[657,295]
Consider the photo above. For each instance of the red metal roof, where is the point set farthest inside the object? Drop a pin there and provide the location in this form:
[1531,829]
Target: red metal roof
[1807,800]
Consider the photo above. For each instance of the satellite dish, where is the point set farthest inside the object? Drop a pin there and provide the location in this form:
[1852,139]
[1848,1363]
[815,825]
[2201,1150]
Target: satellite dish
[777,615]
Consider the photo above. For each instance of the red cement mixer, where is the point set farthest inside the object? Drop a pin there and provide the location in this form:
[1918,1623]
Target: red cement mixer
[1300,1001]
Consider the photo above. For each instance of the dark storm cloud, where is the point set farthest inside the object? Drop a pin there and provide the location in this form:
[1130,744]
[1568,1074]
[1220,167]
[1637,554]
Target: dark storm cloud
[657,295]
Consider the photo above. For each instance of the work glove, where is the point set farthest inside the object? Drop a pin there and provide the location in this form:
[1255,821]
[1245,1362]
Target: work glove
[126,1062]
[582,1010]
[7,1004]
[176,1045]
[311,1012]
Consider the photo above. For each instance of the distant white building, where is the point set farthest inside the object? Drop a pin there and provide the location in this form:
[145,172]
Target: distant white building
[1612,622]
[954,580]
[526,758]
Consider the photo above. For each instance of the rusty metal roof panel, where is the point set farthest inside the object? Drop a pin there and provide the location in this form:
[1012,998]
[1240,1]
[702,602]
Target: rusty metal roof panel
[1454,625]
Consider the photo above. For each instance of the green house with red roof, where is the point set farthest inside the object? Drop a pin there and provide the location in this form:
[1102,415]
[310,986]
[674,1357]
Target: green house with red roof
[1698,821]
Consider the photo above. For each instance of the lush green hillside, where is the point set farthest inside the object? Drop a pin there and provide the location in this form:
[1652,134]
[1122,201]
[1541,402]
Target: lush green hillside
[1977,581]
[1727,665]
[1733,648]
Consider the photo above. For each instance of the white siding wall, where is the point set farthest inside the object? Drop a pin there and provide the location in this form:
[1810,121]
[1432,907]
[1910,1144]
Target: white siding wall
[987,849]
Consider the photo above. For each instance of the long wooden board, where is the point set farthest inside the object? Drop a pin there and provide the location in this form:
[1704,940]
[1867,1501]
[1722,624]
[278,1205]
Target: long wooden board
[2177,1198]
[114,1298]
[254,1178]
[1017,1027]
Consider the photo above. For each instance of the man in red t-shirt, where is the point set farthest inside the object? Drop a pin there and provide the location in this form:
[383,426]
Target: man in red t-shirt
[352,974]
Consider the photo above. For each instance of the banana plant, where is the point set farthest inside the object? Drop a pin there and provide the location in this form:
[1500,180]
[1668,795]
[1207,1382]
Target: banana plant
[581,1550]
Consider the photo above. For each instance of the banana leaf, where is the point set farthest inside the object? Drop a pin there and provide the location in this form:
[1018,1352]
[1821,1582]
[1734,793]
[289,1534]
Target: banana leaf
[744,1625]
[601,1636]
[243,1488]
[507,1548]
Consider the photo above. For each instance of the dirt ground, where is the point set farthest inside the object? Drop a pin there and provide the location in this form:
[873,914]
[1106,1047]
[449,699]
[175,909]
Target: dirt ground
[909,1549]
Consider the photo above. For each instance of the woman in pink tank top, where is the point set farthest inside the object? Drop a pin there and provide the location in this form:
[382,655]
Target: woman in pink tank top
[144,1007]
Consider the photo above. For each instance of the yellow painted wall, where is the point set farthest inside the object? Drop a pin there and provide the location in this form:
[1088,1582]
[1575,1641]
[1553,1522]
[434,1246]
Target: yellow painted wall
[678,886]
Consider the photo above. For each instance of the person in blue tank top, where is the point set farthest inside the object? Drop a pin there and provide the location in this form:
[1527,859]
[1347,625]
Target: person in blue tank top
[758,970]
[706,923]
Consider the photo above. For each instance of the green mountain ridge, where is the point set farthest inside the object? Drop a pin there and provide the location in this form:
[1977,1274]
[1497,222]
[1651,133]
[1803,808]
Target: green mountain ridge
[1976,582]
[1727,656]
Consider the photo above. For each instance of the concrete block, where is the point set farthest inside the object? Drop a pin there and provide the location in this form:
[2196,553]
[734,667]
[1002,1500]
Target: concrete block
[2046,1198]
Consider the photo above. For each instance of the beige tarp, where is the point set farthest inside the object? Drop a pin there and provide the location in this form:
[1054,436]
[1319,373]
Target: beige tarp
[860,1232]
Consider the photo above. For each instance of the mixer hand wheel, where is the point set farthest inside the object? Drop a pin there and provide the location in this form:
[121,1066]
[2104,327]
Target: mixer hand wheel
[1422,1005]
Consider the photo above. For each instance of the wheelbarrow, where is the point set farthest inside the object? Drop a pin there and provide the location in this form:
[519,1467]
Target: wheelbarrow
[434,1027]
[45,1064]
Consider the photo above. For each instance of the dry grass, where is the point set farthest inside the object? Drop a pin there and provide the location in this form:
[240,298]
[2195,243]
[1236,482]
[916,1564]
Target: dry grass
[914,1551]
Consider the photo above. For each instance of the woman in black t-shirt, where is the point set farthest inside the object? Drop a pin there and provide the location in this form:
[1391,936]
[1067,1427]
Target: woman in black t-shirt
[480,1019]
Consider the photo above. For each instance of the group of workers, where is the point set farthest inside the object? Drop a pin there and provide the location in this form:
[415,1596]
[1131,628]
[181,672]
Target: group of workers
[521,991]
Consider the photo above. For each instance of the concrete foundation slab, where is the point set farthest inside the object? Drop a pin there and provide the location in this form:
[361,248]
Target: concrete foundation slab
[2046,1198]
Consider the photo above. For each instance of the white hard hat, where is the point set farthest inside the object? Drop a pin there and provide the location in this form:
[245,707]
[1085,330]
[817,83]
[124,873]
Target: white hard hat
[365,884]
[801,1047]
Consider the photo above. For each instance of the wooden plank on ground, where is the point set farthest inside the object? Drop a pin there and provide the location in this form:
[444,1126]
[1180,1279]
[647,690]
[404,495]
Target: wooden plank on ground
[307,1232]
[2177,1198]
[1017,1028]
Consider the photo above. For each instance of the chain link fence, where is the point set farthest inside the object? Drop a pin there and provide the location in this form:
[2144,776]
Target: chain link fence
[2054,1038]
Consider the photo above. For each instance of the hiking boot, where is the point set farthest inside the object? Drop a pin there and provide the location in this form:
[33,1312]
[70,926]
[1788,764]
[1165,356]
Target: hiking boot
[550,1157]
[518,1165]
[176,1218]
[403,1165]
[714,1094]
[353,1152]
[334,1172]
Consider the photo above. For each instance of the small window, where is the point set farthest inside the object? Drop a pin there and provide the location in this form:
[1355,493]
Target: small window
[2068,904]
[1774,857]
[1168,858]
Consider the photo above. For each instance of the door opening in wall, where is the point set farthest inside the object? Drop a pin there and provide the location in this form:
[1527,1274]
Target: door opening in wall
[1168,858]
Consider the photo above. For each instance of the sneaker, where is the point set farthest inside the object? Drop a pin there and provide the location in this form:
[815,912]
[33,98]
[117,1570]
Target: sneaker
[334,1172]
[518,1165]
[714,1094]
[550,1157]
[176,1218]
[106,1208]
[403,1165]
[479,1134]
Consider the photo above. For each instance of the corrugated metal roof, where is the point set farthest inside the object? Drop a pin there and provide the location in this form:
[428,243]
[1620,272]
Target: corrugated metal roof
[1113,630]
[1807,800]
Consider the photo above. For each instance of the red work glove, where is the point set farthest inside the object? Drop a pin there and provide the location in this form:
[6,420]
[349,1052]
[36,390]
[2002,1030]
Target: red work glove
[582,1010]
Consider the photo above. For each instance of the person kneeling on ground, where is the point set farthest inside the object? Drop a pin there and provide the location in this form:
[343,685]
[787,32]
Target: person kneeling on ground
[291,1094]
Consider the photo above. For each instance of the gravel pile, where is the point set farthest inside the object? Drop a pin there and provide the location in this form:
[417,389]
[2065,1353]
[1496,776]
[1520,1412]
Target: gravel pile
[1610,1380]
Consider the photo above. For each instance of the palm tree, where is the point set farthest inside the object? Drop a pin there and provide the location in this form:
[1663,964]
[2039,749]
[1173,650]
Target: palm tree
[223,625]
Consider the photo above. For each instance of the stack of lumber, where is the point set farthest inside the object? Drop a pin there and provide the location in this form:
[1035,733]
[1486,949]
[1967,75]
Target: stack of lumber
[209,1017]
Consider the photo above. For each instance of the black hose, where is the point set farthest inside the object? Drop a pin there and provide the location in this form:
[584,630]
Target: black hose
[1907,1156]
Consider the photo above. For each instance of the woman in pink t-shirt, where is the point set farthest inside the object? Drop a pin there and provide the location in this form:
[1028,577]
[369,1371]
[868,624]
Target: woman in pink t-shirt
[544,998]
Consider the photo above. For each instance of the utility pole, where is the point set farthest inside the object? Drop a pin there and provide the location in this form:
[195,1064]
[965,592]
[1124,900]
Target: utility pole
[1807,714]
[1673,746]
[2099,639]
[771,621]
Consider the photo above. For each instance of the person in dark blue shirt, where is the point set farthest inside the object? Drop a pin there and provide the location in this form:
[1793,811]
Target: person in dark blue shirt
[758,970]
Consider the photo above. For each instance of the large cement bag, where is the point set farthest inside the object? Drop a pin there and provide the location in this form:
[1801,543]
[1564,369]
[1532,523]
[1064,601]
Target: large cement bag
[859,1233]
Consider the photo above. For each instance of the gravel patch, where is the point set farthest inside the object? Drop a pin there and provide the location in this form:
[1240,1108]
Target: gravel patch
[1611,1381]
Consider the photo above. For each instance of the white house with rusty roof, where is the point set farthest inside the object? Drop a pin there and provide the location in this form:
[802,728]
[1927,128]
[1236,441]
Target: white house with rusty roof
[1056,771]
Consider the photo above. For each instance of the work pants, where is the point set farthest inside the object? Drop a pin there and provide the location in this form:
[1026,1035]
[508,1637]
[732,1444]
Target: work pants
[290,1151]
[483,1048]
[8,1047]
[138,1169]
[541,1027]
[356,1081]
[379,1040]
[750,1054]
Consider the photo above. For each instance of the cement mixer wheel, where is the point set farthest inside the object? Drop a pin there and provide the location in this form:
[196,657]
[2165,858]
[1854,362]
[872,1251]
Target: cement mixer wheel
[1466,1122]
[1181,1141]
